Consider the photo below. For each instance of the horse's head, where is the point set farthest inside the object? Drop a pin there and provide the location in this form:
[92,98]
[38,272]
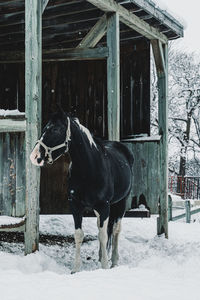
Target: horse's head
[54,140]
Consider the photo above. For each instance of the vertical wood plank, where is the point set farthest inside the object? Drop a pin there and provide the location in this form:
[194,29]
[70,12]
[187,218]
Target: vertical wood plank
[7,205]
[113,78]
[138,172]
[170,208]
[20,175]
[153,176]
[1,173]
[12,173]
[33,74]
[187,211]
[163,131]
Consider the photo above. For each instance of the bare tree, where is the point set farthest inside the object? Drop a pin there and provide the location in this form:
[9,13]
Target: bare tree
[184,103]
[184,110]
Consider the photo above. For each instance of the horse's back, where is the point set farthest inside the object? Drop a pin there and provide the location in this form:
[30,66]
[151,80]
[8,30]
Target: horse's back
[121,148]
[121,163]
[118,150]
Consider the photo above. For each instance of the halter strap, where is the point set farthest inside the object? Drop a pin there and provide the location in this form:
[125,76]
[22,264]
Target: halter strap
[49,150]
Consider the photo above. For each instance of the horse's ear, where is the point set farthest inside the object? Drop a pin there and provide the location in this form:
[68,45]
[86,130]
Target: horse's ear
[59,108]
[62,113]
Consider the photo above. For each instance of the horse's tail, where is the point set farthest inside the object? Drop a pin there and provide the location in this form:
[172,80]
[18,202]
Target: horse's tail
[117,211]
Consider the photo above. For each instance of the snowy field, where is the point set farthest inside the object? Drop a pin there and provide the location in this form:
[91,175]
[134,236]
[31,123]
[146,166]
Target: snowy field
[150,267]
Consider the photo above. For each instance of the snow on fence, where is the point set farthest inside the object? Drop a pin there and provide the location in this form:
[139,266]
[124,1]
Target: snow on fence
[188,211]
[187,187]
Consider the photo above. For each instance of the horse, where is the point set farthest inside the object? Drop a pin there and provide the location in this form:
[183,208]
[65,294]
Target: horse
[100,179]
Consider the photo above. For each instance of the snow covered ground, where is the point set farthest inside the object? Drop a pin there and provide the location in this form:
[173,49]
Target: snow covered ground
[150,267]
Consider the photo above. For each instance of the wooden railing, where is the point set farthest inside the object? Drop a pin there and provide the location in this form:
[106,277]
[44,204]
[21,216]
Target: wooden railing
[187,214]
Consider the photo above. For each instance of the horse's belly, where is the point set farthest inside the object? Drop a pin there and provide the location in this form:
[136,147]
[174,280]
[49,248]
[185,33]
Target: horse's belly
[122,183]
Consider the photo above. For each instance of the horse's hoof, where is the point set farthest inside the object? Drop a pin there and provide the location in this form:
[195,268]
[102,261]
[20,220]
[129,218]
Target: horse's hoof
[105,266]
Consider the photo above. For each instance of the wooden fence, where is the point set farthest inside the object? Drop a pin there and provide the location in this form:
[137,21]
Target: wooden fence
[187,214]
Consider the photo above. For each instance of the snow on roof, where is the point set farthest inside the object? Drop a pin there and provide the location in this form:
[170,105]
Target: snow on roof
[160,4]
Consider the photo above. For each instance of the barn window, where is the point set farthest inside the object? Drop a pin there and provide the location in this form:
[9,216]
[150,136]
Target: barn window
[135,89]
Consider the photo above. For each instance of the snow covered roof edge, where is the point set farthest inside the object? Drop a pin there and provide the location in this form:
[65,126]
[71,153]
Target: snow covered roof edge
[160,12]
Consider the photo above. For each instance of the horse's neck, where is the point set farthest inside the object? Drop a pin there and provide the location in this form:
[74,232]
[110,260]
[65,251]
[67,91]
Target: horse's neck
[83,153]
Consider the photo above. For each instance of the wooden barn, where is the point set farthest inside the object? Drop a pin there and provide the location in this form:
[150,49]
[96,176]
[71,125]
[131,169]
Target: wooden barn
[92,57]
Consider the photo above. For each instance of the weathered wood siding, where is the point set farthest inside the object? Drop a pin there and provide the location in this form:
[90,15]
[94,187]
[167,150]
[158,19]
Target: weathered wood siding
[12,174]
[146,175]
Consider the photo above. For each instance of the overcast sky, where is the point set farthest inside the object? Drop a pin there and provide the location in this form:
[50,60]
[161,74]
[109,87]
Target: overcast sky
[190,12]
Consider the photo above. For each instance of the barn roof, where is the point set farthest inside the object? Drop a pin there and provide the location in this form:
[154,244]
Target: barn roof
[66,22]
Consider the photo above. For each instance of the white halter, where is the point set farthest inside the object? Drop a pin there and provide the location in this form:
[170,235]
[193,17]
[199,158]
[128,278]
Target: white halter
[49,150]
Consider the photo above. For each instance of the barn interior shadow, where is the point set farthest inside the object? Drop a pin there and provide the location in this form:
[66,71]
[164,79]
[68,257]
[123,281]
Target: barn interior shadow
[53,187]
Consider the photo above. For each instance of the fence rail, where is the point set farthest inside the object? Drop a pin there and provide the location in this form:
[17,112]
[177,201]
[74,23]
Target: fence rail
[188,212]
[186,187]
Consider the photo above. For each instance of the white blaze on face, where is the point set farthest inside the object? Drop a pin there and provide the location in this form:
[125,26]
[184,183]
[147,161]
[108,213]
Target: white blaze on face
[35,155]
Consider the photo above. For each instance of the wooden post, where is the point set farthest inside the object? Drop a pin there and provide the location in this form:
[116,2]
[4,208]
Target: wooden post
[33,76]
[169,208]
[163,131]
[161,60]
[187,211]
[113,74]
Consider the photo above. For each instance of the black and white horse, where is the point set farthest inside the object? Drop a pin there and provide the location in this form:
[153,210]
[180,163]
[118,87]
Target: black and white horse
[100,178]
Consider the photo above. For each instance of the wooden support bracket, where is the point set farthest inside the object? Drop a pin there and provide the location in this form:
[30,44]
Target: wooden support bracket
[159,56]
[95,34]
[44,4]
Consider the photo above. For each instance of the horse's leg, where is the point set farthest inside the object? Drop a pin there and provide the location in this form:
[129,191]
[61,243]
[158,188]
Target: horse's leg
[98,225]
[103,238]
[78,237]
[115,240]
[117,211]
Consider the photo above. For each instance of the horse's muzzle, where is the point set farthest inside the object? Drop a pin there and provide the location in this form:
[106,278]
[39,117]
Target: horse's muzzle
[35,157]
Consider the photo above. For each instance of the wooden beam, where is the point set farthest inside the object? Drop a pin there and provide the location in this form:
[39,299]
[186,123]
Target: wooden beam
[113,78]
[158,56]
[162,73]
[130,19]
[58,55]
[10,125]
[95,34]
[75,54]
[44,4]
[33,91]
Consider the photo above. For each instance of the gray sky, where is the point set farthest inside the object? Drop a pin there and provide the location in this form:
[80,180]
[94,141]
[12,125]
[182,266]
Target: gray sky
[190,12]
